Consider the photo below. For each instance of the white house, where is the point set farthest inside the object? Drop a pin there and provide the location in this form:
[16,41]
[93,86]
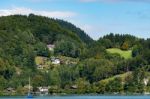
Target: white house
[146,81]
[10,90]
[55,61]
[43,90]
[51,47]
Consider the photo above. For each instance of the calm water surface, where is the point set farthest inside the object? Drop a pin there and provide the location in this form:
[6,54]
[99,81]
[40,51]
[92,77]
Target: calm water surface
[82,97]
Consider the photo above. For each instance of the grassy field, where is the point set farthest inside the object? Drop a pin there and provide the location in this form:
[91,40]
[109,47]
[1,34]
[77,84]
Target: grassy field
[125,54]
[39,60]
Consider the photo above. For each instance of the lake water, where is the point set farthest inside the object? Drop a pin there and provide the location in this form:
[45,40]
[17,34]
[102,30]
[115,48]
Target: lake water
[82,97]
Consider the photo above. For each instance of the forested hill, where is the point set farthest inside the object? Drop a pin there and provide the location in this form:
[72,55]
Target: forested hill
[84,37]
[57,54]
[24,37]
[43,26]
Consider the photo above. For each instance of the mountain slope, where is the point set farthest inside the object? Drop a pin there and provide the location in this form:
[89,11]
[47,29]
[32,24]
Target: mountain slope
[24,37]
[84,37]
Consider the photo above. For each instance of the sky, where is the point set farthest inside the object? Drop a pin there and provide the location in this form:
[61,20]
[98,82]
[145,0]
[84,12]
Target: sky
[96,17]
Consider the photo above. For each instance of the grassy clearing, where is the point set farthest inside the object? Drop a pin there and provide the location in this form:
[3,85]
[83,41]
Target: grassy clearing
[122,76]
[124,54]
[44,62]
[39,60]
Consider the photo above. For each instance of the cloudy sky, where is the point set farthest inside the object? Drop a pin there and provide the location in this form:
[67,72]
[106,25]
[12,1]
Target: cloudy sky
[95,17]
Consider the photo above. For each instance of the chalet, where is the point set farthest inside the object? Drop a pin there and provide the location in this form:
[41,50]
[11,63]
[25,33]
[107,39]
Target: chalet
[10,90]
[51,47]
[55,61]
[74,87]
[43,90]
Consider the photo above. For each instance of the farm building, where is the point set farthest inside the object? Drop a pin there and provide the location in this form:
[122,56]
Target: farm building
[51,47]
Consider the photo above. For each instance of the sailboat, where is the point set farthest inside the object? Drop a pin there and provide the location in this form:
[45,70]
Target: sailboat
[29,91]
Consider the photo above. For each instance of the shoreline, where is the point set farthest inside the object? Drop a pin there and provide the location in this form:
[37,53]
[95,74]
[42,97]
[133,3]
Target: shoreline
[92,94]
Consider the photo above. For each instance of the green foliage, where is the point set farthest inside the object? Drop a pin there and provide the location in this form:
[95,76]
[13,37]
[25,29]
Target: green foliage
[38,81]
[114,86]
[135,83]
[95,50]
[83,86]
[125,46]
[67,48]
[118,40]
[3,83]
[105,43]
[78,31]
[136,50]
[96,69]
[23,39]
[41,49]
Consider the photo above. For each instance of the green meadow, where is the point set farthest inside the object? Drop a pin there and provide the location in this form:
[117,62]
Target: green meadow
[125,54]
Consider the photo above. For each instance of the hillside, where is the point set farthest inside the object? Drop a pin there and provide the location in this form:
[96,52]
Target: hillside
[84,37]
[23,37]
[62,57]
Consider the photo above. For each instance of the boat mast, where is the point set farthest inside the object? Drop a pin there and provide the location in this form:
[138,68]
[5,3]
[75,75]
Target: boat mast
[29,94]
[29,85]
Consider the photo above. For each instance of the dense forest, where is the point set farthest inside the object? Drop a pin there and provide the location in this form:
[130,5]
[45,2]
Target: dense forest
[86,66]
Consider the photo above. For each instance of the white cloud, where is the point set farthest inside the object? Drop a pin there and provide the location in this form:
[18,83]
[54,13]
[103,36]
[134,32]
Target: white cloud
[27,11]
